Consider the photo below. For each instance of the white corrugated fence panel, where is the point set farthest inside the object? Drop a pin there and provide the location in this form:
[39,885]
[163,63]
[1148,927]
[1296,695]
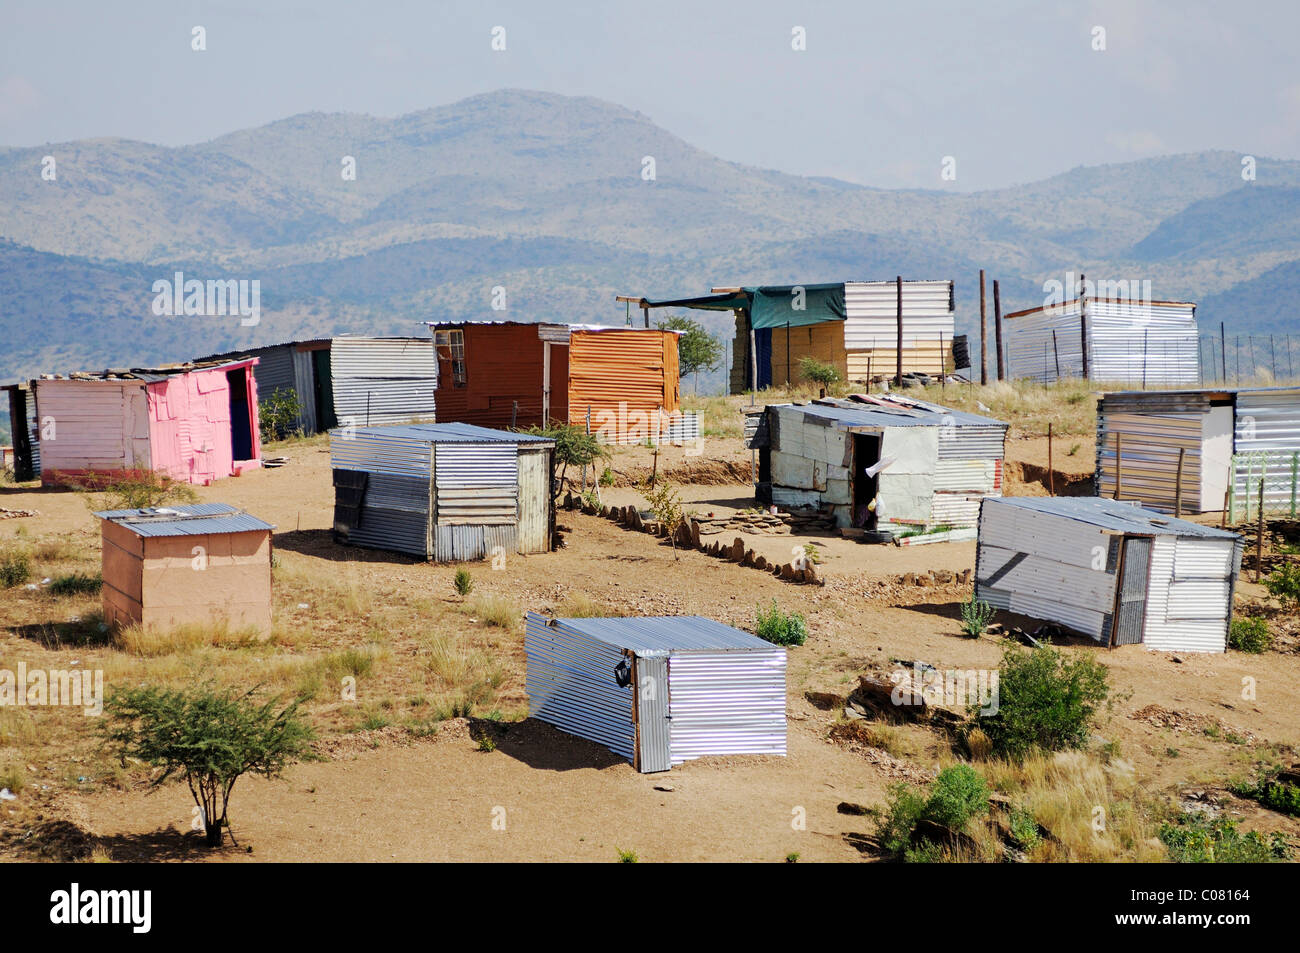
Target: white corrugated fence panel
[727,703]
[871,314]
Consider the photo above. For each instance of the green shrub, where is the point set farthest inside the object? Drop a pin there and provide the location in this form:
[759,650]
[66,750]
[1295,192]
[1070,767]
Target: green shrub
[1197,839]
[464,582]
[209,737]
[277,415]
[1045,700]
[1250,635]
[903,809]
[1024,829]
[607,477]
[15,567]
[780,628]
[627,856]
[1281,796]
[1284,583]
[957,794]
[811,369]
[76,583]
[975,617]
[146,488]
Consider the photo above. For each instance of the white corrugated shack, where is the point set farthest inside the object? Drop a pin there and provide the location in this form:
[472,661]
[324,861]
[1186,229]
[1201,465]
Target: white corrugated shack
[1105,339]
[701,687]
[1120,574]
[383,380]
[883,462]
[1231,441]
[444,492]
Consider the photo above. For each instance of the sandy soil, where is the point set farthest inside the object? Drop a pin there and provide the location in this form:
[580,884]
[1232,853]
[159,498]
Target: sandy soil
[382,799]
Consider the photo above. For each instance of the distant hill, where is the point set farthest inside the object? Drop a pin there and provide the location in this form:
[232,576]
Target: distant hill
[544,195]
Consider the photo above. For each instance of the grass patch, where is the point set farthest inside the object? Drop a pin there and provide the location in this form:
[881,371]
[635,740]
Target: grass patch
[579,605]
[76,584]
[494,609]
[150,641]
[15,567]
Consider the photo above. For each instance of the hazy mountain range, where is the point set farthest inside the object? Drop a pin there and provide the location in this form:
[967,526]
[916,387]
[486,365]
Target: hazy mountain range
[544,195]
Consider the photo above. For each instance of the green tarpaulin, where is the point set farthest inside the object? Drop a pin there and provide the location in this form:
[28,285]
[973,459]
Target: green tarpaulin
[773,306]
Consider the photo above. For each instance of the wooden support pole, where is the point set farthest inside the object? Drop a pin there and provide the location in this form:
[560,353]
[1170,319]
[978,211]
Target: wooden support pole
[1259,533]
[1119,463]
[898,369]
[1083,323]
[997,327]
[1178,484]
[1051,472]
[984,335]
[1223,351]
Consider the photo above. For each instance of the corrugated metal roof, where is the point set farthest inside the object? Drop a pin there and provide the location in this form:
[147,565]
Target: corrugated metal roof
[1113,515]
[909,414]
[443,433]
[195,519]
[650,635]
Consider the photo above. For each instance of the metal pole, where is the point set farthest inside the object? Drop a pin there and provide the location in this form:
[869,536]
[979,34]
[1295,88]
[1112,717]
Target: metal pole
[789,378]
[1056,355]
[1051,471]
[1223,351]
[984,336]
[997,327]
[1083,323]
[1178,484]
[1119,463]
[898,356]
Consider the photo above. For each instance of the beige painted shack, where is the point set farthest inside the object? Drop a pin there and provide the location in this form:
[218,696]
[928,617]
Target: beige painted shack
[201,564]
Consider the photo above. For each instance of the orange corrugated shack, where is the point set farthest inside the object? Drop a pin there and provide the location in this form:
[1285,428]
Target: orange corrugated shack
[202,563]
[502,374]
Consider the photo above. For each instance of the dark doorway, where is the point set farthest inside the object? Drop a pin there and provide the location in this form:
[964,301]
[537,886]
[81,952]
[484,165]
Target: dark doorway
[323,390]
[1131,599]
[241,421]
[866,453]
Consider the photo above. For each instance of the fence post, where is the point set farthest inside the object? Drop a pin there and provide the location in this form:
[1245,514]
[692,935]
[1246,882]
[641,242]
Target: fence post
[1178,485]
[1295,461]
[1259,533]
[1119,462]
[1051,473]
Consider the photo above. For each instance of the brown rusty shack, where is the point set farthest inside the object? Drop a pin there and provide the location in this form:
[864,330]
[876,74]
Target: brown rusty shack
[503,374]
[202,563]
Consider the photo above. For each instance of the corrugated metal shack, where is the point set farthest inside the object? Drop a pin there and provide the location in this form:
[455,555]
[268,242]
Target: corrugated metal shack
[443,492]
[198,564]
[24,432]
[502,374]
[1231,440]
[192,422]
[1120,574]
[383,380]
[851,325]
[1105,339]
[885,463]
[701,688]
[301,368]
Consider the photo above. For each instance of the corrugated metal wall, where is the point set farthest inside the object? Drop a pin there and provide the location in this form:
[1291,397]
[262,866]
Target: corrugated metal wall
[1266,442]
[727,703]
[822,342]
[534,500]
[477,484]
[1042,566]
[570,684]
[383,380]
[968,468]
[304,381]
[1148,452]
[95,425]
[1190,587]
[1147,344]
[871,327]
[394,515]
[633,367]
[503,365]
[653,721]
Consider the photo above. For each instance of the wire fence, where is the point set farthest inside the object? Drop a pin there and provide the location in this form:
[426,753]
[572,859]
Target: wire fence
[1245,358]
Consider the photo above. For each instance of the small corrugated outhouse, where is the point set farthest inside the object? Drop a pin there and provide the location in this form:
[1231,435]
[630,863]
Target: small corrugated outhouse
[702,688]
[201,563]
[1120,574]
[444,492]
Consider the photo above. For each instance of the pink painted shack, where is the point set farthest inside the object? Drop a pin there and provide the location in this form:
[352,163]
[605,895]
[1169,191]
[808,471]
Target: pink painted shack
[195,423]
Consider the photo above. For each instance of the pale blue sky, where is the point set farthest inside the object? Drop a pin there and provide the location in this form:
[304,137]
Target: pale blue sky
[1012,89]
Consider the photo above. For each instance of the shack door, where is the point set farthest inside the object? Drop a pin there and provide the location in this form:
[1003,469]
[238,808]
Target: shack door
[650,701]
[1131,600]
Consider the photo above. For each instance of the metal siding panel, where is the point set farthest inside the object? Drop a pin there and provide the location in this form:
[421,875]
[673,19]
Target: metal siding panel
[534,501]
[383,380]
[304,382]
[570,684]
[653,732]
[624,376]
[1266,447]
[1149,454]
[724,703]
[1133,587]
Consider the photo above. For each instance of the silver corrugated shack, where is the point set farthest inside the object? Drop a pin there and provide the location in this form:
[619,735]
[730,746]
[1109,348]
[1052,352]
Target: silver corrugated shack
[1120,574]
[1232,440]
[701,687]
[881,462]
[1106,339]
[445,492]
[300,368]
[383,380]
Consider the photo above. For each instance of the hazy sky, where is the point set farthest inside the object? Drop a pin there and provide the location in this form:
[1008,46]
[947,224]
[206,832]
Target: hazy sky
[1014,91]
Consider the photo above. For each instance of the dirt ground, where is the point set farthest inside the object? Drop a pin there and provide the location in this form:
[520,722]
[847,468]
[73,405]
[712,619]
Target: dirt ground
[385,795]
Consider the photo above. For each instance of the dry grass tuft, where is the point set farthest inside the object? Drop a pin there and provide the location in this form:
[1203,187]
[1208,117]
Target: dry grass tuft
[152,641]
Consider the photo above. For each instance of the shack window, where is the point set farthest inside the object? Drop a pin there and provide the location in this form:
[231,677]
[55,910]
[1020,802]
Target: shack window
[451,347]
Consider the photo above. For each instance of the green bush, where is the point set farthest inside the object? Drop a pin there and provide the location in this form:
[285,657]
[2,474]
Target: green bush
[464,582]
[780,628]
[1024,829]
[903,809]
[209,737]
[1281,796]
[277,415]
[1046,700]
[958,794]
[1249,635]
[818,372]
[975,617]
[1197,839]
[75,583]
[1284,583]
[15,567]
